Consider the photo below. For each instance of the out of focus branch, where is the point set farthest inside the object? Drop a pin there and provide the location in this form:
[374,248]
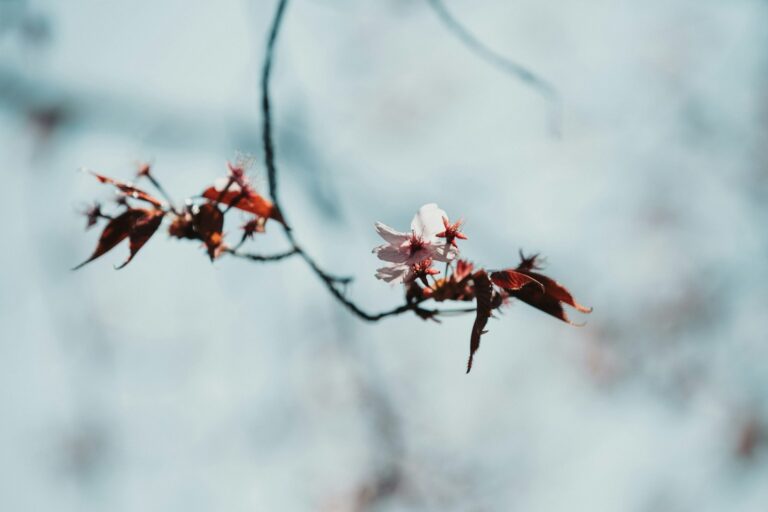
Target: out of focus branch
[484,52]
[476,46]
[54,105]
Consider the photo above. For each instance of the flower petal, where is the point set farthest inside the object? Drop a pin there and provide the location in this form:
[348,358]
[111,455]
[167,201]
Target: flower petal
[390,235]
[392,274]
[428,221]
[422,254]
[391,253]
[444,252]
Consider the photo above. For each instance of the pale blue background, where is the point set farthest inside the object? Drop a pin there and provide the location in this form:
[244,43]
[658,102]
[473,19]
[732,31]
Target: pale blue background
[175,384]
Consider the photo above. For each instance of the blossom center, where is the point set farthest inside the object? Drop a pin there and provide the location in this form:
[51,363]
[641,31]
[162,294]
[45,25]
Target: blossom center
[415,243]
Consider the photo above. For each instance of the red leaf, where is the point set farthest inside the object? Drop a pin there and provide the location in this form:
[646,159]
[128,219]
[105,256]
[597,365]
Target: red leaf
[247,200]
[253,226]
[512,280]
[183,226]
[549,296]
[483,294]
[143,229]
[129,190]
[550,300]
[559,292]
[93,214]
[137,223]
[463,270]
[208,222]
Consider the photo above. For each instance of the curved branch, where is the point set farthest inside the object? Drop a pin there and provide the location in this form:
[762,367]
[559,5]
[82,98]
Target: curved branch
[261,257]
[331,282]
[266,134]
[496,59]
[504,64]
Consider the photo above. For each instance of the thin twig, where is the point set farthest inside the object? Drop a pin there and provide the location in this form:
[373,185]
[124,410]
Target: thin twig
[261,257]
[486,53]
[266,134]
[162,191]
[501,62]
[331,282]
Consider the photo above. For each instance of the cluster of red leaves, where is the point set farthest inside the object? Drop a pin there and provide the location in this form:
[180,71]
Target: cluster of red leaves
[545,293]
[203,218]
[491,290]
[198,220]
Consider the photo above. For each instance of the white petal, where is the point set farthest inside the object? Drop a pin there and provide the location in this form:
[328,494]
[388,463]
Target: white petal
[444,252]
[392,274]
[428,221]
[427,252]
[390,235]
[390,253]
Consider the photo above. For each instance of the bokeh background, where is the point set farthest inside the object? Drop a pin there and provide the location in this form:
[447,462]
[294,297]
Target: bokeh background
[175,384]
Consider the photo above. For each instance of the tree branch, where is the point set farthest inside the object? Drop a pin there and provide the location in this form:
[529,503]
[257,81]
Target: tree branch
[484,52]
[506,65]
[261,257]
[266,134]
[331,282]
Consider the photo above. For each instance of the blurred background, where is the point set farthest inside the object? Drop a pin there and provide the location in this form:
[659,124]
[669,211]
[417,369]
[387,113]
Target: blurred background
[177,384]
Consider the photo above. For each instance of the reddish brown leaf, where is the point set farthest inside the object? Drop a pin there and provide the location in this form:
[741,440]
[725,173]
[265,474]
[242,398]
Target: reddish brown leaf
[142,230]
[457,286]
[129,190]
[245,200]
[550,300]
[253,226]
[463,270]
[532,262]
[483,294]
[208,222]
[93,214]
[512,280]
[116,230]
[559,292]
[549,296]
[183,226]
[752,435]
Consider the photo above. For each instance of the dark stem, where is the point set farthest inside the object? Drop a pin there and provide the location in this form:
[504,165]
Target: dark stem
[235,201]
[266,134]
[162,191]
[261,257]
[331,282]
[224,190]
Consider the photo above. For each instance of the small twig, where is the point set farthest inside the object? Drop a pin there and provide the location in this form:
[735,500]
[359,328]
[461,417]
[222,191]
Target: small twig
[261,257]
[331,282]
[325,276]
[499,61]
[162,191]
[457,311]
[269,148]
[224,190]
[239,197]
[486,53]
